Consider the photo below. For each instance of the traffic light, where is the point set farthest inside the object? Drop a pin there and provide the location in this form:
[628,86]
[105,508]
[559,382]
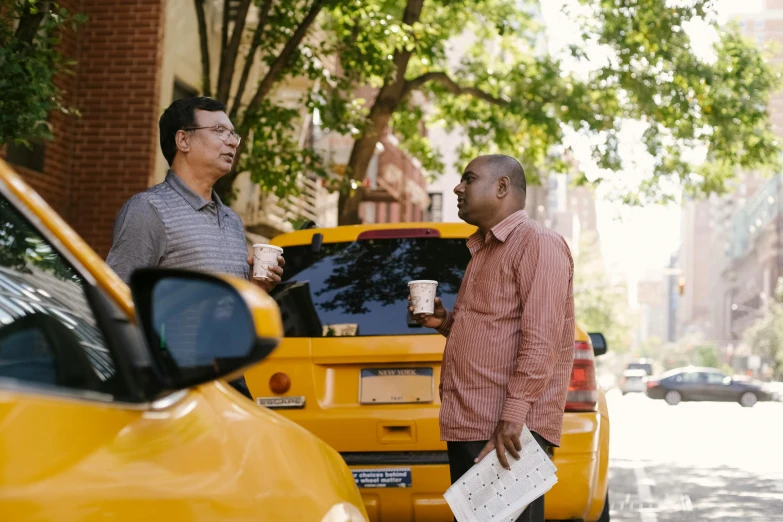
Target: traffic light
[681,285]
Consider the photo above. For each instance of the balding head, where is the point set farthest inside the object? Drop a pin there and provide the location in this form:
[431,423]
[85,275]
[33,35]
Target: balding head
[501,165]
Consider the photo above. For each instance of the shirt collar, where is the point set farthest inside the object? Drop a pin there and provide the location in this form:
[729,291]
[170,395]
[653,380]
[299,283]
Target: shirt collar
[193,199]
[500,231]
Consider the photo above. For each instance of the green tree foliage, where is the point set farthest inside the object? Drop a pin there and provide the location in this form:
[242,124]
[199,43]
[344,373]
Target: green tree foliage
[508,97]
[504,92]
[705,355]
[765,337]
[271,40]
[600,306]
[30,59]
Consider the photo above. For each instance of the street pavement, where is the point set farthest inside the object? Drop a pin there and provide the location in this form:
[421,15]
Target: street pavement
[694,461]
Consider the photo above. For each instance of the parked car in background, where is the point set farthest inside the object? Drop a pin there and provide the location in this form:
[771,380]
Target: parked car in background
[633,381]
[704,384]
[356,370]
[641,364]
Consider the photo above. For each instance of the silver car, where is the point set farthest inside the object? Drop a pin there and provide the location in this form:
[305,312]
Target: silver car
[633,381]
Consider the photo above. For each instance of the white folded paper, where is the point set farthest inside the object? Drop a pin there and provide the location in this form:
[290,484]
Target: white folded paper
[490,493]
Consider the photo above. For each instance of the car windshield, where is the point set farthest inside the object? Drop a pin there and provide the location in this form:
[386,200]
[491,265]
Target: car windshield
[360,288]
[647,367]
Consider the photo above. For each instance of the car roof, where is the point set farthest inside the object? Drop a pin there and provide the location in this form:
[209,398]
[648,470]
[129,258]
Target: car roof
[692,369]
[351,232]
[634,372]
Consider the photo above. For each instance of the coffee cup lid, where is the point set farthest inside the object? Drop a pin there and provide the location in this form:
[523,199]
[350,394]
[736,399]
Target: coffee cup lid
[423,281]
[273,247]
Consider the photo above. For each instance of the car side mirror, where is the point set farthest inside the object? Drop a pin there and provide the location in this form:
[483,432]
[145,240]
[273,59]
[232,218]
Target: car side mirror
[200,327]
[599,343]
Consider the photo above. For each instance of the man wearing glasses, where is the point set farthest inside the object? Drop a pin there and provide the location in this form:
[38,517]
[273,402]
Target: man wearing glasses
[181,223]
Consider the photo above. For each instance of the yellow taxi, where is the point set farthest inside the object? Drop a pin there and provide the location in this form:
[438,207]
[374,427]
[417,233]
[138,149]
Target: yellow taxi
[347,336]
[112,403]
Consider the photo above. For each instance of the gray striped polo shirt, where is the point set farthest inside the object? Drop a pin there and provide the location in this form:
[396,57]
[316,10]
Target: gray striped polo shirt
[170,226]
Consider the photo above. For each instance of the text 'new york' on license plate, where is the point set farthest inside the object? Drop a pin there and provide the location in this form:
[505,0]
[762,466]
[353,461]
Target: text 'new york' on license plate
[383,477]
[396,385]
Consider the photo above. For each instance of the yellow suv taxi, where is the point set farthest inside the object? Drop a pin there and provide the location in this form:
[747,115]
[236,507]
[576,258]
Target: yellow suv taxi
[109,405]
[356,370]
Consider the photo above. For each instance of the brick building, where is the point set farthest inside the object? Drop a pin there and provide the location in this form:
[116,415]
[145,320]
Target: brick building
[133,59]
[97,161]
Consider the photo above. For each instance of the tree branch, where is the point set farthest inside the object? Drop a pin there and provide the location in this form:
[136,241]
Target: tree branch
[228,58]
[224,28]
[280,63]
[206,76]
[453,87]
[412,12]
[263,18]
[29,22]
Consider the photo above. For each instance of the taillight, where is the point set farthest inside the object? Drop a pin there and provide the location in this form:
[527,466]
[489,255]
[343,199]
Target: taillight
[583,388]
[652,384]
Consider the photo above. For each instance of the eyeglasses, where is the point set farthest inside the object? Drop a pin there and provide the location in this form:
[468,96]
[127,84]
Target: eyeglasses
[222,132]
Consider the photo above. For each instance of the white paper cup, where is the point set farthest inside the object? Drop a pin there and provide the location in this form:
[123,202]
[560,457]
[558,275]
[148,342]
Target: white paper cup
[264,258]
[423,296]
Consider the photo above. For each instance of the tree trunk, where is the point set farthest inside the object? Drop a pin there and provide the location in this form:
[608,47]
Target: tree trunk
[224,186]
[29,22]
[387,101]
[228,58]
[206,75]
[349,209]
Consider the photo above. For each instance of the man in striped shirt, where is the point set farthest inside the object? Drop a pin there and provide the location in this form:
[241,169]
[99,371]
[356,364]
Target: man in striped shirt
[182,223]
[509,353]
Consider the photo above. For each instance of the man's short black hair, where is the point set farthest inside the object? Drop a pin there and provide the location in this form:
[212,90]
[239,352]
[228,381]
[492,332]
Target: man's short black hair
[180,115]
[504,165]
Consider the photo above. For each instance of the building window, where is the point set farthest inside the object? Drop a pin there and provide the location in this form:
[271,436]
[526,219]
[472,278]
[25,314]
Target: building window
[759,25]
[182,90]
[435,211]
[31,157]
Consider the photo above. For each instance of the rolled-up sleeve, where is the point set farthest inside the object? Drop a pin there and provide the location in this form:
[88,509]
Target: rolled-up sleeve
[549,263]
[139,239]
[445,328]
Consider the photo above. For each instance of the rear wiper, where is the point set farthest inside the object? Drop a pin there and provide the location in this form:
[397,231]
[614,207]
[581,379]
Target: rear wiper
[316,242]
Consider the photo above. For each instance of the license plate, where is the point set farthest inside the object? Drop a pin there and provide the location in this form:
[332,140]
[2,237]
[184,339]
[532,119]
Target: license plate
[396,385]
[383,477]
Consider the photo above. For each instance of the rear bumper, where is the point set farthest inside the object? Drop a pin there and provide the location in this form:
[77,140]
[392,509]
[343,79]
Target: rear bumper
[633,388]
[581,479]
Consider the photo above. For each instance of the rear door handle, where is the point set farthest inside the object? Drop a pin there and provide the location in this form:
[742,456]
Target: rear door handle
[396,432]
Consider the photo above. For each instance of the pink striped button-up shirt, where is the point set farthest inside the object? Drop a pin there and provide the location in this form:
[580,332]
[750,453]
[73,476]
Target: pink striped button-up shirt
[510,336]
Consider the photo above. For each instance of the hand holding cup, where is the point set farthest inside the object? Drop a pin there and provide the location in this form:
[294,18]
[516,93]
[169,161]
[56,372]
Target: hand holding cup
[427,309]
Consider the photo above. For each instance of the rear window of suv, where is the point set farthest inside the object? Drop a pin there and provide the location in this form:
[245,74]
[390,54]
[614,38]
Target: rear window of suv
[647,367]
[360,288]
